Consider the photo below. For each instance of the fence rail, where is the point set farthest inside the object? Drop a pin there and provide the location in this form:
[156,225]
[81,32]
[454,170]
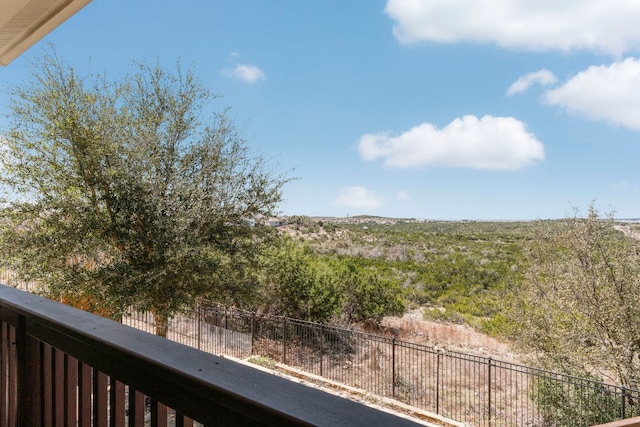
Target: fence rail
[477,390]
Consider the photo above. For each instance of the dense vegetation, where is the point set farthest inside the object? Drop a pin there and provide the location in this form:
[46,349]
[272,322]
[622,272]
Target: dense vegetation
[579,308]
[460,271]
[299,283]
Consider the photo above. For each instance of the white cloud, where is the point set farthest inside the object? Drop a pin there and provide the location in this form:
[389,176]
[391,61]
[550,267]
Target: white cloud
[609,93]
[359,197]
[486,143]
[543,77]
[599,25]
[246,72]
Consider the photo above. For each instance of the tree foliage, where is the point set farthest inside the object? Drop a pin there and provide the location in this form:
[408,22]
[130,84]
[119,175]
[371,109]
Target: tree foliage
[578,401]
[579,310]
[297,284]
[302,284]
[464,267]
[368,297]
[129,192]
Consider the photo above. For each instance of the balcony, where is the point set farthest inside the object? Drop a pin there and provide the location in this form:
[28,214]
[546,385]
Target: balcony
[63,366]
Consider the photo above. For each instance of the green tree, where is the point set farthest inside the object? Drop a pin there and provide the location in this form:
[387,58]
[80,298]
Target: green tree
[128,192]
[296,283]
[579,309]
[367,296]
[577,401]
[300,283]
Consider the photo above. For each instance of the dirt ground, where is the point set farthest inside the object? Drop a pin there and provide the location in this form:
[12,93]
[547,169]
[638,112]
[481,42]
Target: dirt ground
[448,336]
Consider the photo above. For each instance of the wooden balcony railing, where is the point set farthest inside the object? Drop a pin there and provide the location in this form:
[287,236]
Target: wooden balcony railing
[63,366]
[629,422]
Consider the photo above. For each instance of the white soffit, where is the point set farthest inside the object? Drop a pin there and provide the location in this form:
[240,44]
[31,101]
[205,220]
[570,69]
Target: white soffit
[24,22]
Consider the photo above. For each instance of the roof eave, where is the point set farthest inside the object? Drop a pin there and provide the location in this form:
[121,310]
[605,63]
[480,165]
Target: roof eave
[31,23]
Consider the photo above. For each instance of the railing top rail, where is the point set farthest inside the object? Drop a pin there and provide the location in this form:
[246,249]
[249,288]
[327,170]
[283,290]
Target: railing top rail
[208,388]
[629,422]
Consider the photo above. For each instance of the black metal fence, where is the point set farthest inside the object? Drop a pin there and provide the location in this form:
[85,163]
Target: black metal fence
[477,390]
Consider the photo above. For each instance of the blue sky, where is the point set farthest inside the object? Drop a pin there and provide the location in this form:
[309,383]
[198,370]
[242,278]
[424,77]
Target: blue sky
[431,109]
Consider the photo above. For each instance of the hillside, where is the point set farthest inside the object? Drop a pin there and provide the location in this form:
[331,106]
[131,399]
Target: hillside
[459,271]
[457,275]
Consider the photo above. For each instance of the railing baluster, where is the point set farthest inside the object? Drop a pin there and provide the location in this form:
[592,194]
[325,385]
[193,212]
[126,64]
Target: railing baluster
[29,392]
[85,389]
[100,399]
[47,385]
[71,390]
[84,395]
[13,379]
[136,408]
[4,373]
[116,403]
[58,387]
[183,421]
[158,414]
[162,415]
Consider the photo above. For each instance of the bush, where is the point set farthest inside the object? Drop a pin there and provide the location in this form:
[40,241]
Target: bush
[576,402]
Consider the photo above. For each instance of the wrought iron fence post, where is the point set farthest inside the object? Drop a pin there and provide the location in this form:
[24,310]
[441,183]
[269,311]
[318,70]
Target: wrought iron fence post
[624,400]
[199,314]
[438,382]
[393,367]
[253,330]
[489,360]
[284,340]
[321,348]
[226,324]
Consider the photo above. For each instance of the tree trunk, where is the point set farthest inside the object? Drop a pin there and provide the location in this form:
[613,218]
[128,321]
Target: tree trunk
[162,322]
